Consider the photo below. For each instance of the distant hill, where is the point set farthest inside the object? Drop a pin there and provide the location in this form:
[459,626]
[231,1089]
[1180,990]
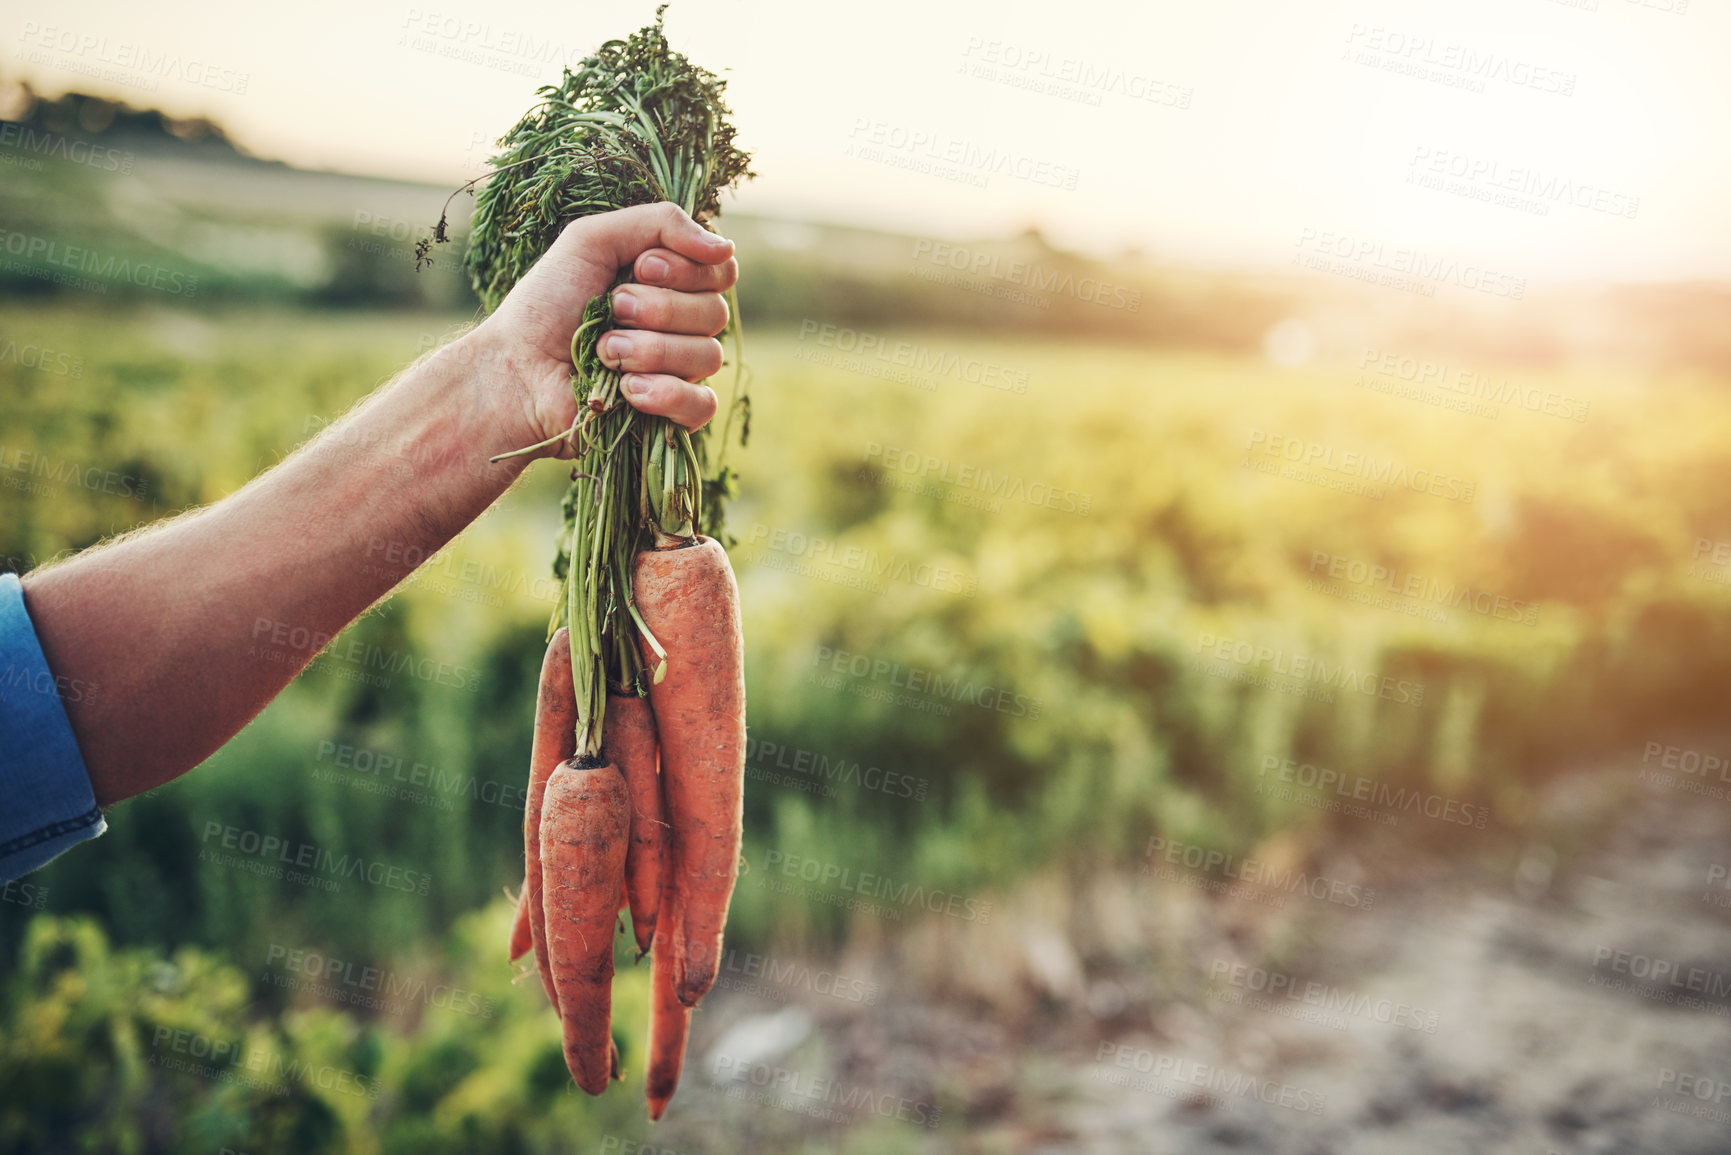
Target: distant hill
[94,192]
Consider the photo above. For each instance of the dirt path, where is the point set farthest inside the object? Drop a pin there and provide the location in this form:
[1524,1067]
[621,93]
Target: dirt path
[1589,1011]
[1572,996]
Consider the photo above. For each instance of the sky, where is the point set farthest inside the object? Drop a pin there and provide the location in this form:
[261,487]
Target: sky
[1541,139]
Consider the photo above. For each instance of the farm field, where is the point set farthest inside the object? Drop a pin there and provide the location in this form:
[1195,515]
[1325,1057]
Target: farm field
[1027,617]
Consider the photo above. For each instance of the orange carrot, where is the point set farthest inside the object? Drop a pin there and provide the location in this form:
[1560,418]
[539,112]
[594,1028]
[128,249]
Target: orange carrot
[585,822]
[689,600]
[555,740]
[628,741]
[521,937]
[669,1019]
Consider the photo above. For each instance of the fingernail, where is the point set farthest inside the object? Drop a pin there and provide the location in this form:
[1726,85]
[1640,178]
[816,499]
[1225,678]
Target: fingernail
[624,305]
[615,348]
[653,269]
[635,386]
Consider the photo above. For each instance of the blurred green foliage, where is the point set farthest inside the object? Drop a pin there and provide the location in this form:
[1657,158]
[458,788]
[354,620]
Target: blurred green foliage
[1102,730]
[133,1050]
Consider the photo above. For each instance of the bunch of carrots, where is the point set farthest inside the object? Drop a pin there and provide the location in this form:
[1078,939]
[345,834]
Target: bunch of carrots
[637,767]
[652,823]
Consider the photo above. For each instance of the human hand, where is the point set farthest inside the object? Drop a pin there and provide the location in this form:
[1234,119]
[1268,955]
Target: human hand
[673,305]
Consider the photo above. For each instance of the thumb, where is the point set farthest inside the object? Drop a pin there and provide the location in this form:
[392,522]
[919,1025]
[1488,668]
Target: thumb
[616,238]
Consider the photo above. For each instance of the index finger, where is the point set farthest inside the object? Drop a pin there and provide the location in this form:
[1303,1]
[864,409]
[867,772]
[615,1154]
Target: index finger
[669,270]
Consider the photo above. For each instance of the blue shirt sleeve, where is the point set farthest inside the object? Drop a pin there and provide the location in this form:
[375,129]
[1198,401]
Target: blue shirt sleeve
[46,805]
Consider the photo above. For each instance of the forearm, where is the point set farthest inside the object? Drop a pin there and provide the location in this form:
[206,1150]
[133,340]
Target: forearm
[187,630]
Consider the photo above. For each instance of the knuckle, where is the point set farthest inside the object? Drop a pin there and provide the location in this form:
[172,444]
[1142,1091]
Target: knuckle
[651,350]
[715,322]
[705,406]
[651,310]
[575,232]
